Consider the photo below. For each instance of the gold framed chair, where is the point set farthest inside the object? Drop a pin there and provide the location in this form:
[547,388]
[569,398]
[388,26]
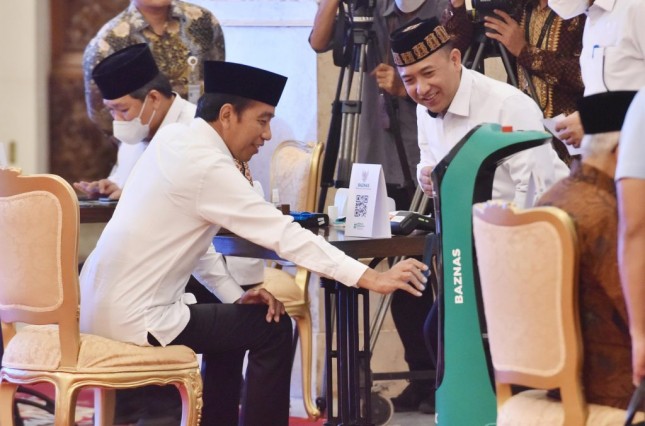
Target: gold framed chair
[39,226]
[528,269]
[295,172]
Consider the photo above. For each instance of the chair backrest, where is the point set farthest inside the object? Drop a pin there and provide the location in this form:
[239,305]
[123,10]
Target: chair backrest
[295,172]
[528,274]
[39,224]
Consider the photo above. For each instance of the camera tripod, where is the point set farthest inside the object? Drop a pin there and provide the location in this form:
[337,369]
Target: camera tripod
[353,40]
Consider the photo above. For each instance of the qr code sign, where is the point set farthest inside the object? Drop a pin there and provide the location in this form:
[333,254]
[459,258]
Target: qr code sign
[360,210]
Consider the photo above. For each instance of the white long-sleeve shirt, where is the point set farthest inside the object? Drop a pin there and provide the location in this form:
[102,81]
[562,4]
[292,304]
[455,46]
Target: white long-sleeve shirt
[481,99]
[182,190]
[245,271]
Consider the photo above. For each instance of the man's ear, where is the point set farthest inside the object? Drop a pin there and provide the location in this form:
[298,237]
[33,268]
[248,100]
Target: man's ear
[226,115]
[155,96]
[455,57]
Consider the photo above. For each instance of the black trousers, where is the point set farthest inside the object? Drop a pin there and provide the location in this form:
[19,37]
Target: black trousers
[222,333]
[409,314]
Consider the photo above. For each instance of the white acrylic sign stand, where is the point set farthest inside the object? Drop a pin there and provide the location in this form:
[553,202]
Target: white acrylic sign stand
[367,212]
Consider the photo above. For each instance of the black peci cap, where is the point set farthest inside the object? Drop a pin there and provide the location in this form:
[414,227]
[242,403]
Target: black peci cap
[417,40]
[604,112]
[125,71]
[243,80]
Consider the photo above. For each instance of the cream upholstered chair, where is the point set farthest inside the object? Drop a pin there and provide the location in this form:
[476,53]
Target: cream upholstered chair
[528,264]
[295,172]
[39,225]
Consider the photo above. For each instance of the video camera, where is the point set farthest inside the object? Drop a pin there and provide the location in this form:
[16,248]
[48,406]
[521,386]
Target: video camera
[483,8]
[360,8]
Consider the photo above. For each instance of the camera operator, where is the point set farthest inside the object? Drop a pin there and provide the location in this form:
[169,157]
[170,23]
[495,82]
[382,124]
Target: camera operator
[376,144]
[546,47]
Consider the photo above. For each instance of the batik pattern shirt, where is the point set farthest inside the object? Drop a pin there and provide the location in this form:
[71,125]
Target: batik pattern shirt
[190,31]
[589,196]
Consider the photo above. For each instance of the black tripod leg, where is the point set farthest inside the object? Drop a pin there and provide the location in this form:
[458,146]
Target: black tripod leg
[507,64]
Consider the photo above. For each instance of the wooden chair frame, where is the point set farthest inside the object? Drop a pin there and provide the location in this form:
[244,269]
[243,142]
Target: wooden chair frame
[296,296]
[61,309]
[568,377]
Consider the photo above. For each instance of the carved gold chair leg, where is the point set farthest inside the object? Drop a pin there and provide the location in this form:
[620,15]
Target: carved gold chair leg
[303,322]
[66,395]
[191,397]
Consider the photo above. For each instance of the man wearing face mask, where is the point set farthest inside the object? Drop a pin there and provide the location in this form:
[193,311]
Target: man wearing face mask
[376,144]
[140,100]
[613,50]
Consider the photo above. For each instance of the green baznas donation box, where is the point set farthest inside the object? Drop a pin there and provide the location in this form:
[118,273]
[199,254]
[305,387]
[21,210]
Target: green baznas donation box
[465,394]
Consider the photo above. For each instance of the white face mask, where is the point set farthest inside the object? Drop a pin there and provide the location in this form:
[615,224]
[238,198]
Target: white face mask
[407,6]
[134,131]
[568,9]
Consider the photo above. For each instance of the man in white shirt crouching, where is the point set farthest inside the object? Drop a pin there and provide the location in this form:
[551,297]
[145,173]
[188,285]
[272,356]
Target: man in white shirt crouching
[452,100]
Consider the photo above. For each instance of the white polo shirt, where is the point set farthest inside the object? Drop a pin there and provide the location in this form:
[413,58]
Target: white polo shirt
[481,99]
[182,190]
[613,46]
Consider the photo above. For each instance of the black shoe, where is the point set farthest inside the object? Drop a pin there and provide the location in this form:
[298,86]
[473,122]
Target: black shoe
[426,406]
[411,397]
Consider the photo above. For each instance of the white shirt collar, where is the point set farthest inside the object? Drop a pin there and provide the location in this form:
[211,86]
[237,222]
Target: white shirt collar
[206,132]
[172,116]
[460,104]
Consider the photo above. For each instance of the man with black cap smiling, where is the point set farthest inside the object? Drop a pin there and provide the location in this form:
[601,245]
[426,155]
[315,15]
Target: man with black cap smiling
[588,195]
[183,189]
[452,100]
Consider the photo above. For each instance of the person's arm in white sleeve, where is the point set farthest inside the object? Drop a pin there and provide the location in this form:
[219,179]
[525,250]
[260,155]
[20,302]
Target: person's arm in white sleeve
[127,157]
[522,113]
[237,207]
[211,272]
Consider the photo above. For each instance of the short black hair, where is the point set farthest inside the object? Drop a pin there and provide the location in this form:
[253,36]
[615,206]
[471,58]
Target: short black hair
[160,83]
[209,105]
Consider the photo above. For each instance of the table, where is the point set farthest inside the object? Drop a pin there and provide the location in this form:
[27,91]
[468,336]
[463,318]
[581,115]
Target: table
[347,354]
[94,211]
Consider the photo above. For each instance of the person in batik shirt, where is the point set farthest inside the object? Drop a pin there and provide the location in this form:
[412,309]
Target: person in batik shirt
[174,30]
[588,195]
